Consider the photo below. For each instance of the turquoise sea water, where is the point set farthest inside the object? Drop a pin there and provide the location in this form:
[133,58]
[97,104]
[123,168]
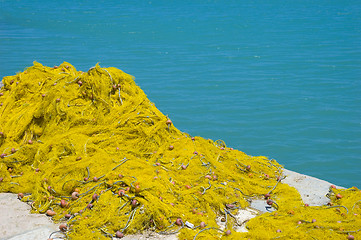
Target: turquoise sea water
[274,78]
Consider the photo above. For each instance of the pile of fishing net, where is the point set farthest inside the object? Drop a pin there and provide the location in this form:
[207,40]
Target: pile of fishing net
[93,153]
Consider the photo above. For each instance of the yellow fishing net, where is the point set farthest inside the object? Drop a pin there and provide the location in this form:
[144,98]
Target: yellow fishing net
[90,150]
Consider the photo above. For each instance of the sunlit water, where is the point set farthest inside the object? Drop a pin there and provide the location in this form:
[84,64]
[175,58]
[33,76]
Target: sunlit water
[268,77]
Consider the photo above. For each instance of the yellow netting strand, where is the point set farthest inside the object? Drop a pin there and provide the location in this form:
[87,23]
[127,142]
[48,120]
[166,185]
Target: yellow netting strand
[92,149]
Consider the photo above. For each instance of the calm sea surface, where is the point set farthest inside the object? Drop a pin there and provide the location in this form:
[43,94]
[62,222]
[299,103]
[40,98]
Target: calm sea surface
[274,78]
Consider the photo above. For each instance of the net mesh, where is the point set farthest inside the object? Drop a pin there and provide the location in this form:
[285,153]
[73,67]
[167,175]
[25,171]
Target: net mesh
[91,150]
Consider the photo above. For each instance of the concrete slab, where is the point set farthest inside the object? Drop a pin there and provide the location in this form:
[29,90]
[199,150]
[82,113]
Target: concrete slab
[16,219]
[41,233]
[312,190]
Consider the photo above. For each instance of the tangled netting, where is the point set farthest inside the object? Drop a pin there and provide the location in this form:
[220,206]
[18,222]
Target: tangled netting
[91,151]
